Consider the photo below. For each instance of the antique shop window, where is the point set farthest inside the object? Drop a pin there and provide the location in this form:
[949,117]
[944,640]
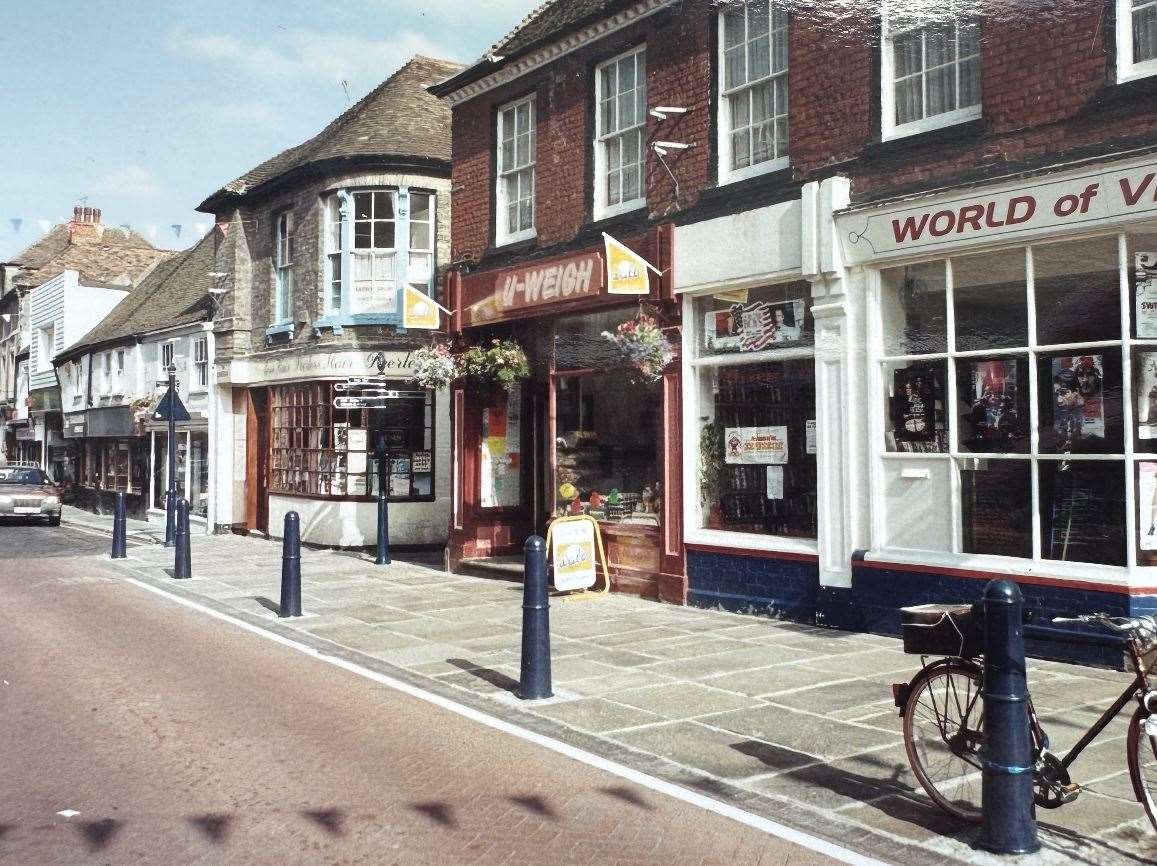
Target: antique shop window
[199,474]
[1136,38]
[754,396]
[374,240]
[620,147]
[317,450]
[283,269]
[1004,402]
[753,89]
[514,194]
[930,69]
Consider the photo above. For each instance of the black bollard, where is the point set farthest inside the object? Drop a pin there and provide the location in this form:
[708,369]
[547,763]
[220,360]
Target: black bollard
[170,519]
[534,682]
[182,559]
[383,557]
[120,527]
[291,567]
[1008,811]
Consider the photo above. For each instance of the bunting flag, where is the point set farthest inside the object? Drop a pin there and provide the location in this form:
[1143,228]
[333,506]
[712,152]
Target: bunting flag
[16,224]
[176,229]
[626,270]
[46,225]
[421,311]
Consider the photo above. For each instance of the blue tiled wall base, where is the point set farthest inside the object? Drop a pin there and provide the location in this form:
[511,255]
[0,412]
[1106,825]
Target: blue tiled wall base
[750,584]
[877,595]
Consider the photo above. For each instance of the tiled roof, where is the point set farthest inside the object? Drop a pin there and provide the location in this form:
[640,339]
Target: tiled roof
[101,254]
[175,293]
[397,118]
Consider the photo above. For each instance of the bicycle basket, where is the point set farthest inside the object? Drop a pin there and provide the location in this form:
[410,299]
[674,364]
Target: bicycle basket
[941,630]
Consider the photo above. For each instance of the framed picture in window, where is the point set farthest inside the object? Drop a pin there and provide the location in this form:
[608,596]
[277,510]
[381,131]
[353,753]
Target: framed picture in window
[1080,403]
[1145,274]
[1146,367]
[916,409]
[754,327]
[994,393]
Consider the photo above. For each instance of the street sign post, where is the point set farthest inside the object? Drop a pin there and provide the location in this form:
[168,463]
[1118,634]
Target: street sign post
[171,409]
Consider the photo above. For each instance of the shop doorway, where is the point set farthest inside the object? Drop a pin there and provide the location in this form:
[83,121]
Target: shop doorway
[256,462]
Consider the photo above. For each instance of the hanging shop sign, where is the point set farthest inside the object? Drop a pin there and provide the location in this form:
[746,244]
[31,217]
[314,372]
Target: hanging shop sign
[626,269]
[283,367]
[509,293]
[1017,210]
[757,445]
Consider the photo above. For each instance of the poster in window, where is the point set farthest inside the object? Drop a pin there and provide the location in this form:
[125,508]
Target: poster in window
[357,461]
[1078,400]
[774,482]
[1147,505]
[917,393]
[423,461]
[1145,270]
[994,414]
[1147,395]
[1086,520]
[500,453]
[755,445]
[754,327]
[357,439]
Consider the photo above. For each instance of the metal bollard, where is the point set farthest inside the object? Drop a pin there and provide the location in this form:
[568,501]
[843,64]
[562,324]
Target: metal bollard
[120,527]
[383,557]
[534,682]
[1008,812]
[291,567]
[182,559]
[170,519]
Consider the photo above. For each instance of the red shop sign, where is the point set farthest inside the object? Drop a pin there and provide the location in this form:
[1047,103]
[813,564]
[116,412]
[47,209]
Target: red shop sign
[509,293]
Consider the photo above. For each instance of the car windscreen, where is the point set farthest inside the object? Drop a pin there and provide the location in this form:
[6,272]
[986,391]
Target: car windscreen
[22,476]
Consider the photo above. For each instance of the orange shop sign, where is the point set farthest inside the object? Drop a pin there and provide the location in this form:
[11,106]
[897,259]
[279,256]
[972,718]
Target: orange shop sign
[509,293]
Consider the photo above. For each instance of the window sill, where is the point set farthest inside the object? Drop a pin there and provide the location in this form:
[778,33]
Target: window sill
[519,238]
[606,213]
[957,133]
[281,328]
[930,124]
[338,321]
[1128,73]
[739,541]
[1109,576]
[772,166]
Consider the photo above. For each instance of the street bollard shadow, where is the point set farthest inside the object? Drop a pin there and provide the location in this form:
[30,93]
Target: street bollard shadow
[495,678]
[537,805]
[98,834]
[215,827]
[5,829]
[625,794]
[330,820]
[441,813]
[268,604]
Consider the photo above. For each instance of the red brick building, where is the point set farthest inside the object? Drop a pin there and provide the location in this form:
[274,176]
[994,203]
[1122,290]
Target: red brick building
[861,414]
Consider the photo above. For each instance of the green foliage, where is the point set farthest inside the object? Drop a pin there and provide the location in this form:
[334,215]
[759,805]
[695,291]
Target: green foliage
[503,362]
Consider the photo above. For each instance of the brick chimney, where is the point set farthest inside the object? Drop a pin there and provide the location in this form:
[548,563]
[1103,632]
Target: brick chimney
[85,225]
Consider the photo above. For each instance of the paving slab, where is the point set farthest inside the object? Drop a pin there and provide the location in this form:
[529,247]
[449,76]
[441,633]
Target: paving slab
[721,754]
[597,715]
[822,738]
[678,700]
[761,682]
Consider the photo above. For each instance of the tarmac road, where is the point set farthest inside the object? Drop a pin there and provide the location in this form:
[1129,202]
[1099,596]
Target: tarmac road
[177,738]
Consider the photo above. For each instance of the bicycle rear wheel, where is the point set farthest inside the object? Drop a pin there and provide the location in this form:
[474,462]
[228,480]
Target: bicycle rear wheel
[943,724]
[1143,761]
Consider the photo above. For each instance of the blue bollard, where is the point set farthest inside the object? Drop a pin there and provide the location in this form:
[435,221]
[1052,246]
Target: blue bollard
[534,682]
[182,558]
[291,567]
[383,557]
[1008,811]
[120,527]
[170,519]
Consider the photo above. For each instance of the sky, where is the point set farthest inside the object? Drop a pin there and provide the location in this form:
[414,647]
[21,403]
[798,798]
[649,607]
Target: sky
[144,107]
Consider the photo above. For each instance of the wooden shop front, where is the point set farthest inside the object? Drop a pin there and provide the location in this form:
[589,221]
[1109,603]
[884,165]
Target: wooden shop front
[584,433]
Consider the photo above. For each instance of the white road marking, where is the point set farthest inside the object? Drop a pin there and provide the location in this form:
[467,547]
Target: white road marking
[758,822]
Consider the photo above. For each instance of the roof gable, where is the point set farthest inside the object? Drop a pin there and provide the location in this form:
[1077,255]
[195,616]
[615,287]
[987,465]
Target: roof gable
[102,255]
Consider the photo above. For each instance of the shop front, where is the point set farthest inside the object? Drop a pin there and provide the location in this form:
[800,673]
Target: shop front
[312,449]
[108,455]
[1011,392]
[586,432]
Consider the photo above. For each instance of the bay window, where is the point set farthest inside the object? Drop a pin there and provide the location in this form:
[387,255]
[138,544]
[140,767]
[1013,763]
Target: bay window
[375,241]
[514,212]
[1136,38]
[283,270]
[930,70]
[1016,393]
[620,143]
[753,124]
[752,402]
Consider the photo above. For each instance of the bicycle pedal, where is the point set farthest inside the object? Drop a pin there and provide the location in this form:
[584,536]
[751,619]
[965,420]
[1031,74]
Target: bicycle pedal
[1069,792]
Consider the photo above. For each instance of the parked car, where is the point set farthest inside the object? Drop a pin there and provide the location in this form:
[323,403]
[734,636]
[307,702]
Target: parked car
[26,491]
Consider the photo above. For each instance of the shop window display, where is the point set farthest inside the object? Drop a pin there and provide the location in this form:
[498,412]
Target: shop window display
[317,450]
[1030,365]
[755,380]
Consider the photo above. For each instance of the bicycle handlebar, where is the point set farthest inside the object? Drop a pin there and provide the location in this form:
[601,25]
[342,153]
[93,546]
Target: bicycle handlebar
[1119,624]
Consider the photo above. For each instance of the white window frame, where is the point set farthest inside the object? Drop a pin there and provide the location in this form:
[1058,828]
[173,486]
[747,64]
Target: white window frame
[1127,68]
[168,348]
[200,359]
[502,235]
[889,129]
[45,347]
[723,96]
[106,375]
[283,269]
[956,557]
[333,241]
[601,209]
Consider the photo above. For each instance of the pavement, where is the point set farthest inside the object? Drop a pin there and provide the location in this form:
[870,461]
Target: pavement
[788,722]
[137,730]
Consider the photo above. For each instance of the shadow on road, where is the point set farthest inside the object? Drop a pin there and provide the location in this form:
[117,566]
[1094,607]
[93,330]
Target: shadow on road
[330,820]
[625,794]
[442,813]
[268,604]
[535,804]
[495,678]
[98,834]
[215,827]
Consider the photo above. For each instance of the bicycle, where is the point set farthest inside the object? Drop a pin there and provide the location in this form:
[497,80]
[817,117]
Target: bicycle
[943,715]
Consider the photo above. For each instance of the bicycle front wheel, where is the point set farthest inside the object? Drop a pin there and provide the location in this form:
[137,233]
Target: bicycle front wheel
[943,724]
[1143,761]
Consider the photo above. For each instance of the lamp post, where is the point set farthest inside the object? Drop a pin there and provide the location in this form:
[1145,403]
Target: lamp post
[171,490]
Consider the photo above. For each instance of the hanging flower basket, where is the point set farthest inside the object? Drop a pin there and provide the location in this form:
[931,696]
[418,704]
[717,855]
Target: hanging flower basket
[434,367]
[503,362]
[645,347]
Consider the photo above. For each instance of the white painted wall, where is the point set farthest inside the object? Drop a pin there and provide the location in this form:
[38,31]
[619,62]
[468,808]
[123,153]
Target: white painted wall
[71,310]
[747,248]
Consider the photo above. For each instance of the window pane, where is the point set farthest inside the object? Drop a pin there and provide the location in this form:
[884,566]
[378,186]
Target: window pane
[755,320]
[630,182]
[734,65]
[626,110]
[741,110]
[968,38]
[941,88]
[614,154]
[1083,511]
[419,236]
[508,148]
[916,396]
[741,148]
[756,472]
[525,214]
[996,507]
[383,235]
[993,410]
[906,54]
[522,119]
[909,100]
[1080,402]
[969,83]
[939,45]
[383,205]
[613,188]
[1146,481]
[913,309]
[609,81]
[419,206]
[512,224]
[610,122]
[761,102]
[1145,399]
[1077,291]
[508,124]
[989,295]
[1145,34]
[383,267]
[779,42]
[362,205]
[759,52]
[361,235]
